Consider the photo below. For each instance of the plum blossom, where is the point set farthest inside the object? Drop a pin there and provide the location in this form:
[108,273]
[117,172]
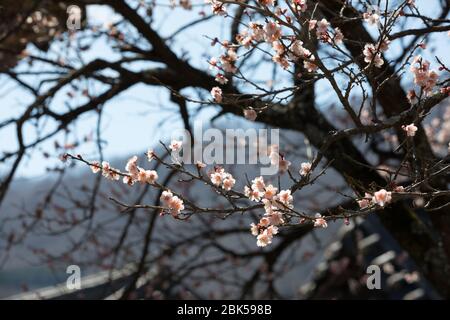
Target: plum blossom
[220,177]
[319,221]
[173,203]
[109,172]
[216,93]
[272,31]
[382,197]
[250,114]
[410,130]
[228,61]
[309,65]
[258,184]
[371,55]
[257,31]
[253,195]
[305,168]
[322,30]
[217,7]
[412,97]
[372,18]
[166,195]
[175,145]
[300,5]
[200,164]
[276,218]
[270,192]
[298,51]
[423,76]
[264,239]
[216,178]
[338,36]
[228,182]
[213,63]
[285,197]
[264,222]
[254,229]
[95,166]
[277,159]
[220,78]
[365,202]
[147,176]
[132,167]
[150,155]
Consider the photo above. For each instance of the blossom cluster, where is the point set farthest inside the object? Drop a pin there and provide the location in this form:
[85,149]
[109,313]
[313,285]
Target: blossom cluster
[380,198]
[423,76]
[274,205]
[173,203]
[221,178]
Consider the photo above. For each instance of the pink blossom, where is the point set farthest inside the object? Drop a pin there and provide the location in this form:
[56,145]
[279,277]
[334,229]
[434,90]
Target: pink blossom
[272,230]
[228,61]
[216,178]
[217,7]
[371,18]
[305,168]
[264,222]
[371,55]
[410,130]
[382,197]
[166,196]
[365,202]
[228,182]
[283,165]
[132,167]
[212,63]
[95,166]
[299,51]
[310,65]
[150,155]
[258,184]
[253,195]
[338,36]
[200,165]
[175,145]
[175,205]
[258,31]
[272,32]
[270,192]
[300,5]
[216,93]
[148,176]
[263,239]
[128,180]
[423,76]
[319,221]
[250,114]
[285,197]
[412,97]
[254,229]
[312,24]
[220,78]
[322,30]
[276,218]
